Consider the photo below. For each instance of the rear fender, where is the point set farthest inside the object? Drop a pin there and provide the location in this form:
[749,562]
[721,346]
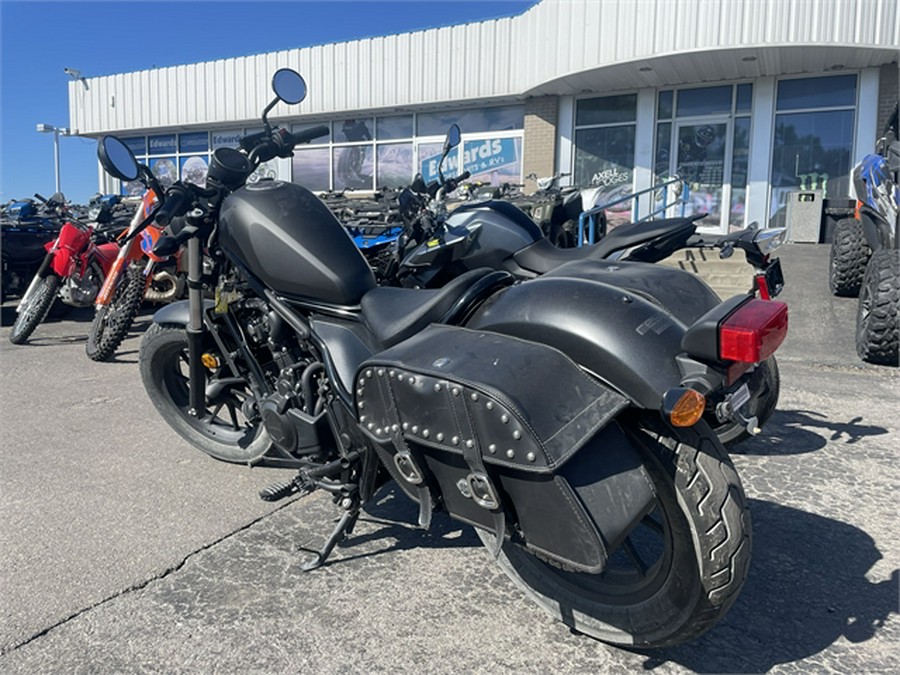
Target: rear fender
[620,336]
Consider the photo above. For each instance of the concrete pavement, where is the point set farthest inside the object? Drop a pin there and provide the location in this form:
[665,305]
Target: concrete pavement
[125,550]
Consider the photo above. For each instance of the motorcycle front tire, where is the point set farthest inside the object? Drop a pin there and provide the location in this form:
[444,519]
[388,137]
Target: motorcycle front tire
[223,432]
[36,309]
[701,531]
[113,321]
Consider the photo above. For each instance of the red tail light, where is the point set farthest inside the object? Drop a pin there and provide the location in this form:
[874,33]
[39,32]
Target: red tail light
[753,332]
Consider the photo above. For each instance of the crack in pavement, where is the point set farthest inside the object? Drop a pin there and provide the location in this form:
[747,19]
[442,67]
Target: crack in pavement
[5,650]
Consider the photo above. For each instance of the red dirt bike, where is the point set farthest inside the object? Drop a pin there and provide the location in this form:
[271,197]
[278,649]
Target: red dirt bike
[134,277]
[77,262]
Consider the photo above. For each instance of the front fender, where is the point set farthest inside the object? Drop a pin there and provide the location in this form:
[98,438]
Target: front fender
[178,313]
[622,334]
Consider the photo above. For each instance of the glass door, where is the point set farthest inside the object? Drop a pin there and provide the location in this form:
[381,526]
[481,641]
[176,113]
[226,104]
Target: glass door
[701,152]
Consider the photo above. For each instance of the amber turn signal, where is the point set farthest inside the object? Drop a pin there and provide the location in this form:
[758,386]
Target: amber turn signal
[683,407]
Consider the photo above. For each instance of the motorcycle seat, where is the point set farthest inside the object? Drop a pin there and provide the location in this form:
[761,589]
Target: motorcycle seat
[543,256]
[395,314]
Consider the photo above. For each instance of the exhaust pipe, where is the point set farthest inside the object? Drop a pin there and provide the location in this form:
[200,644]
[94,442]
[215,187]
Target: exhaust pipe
[165,287]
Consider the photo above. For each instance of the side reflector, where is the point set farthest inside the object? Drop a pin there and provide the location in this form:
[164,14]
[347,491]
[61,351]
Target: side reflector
[683,407]
[753,332]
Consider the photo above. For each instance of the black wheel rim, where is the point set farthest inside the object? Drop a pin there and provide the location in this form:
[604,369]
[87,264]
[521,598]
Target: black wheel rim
[224,420]
[635,571]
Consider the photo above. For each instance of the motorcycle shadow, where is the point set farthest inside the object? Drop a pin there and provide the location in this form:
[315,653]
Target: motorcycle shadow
[806,590]
[59,313]
[391,515]
[795,432]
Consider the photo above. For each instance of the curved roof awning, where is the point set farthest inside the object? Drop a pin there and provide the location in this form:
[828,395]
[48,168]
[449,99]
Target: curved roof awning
[714,65]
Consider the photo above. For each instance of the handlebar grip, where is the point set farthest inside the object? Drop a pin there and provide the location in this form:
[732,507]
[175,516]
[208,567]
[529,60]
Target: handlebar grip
[40,198]
[176,204]
[465,175]
[309,134]
[167,244]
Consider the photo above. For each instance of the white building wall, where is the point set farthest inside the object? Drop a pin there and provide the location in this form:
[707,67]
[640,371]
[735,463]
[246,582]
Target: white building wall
[499,59]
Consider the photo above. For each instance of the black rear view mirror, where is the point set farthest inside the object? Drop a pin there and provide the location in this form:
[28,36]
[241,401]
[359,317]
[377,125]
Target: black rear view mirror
[117,159]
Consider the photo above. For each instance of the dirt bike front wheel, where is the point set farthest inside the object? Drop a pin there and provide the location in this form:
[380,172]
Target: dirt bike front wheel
[223,432]
[113,321]
[679,570]
[35,309]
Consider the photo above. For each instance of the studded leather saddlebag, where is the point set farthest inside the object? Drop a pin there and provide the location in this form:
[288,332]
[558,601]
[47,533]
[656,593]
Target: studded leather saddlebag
[507,435]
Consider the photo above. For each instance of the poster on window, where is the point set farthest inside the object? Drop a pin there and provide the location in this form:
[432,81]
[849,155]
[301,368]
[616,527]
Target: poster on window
[165,170]
[493,161]
[194,170]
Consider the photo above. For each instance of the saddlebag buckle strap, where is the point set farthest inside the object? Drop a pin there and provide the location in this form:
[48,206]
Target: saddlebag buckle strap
[407,467]
[482,491]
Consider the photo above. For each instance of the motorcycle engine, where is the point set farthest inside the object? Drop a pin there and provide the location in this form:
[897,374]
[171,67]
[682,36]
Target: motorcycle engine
[80,291]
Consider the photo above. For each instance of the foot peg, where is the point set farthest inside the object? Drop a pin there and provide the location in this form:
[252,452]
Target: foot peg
[278,491]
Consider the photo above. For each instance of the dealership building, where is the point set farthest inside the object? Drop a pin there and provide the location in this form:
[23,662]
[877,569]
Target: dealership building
[751,102]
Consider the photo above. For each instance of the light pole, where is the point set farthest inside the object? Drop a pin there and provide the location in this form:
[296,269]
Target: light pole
[46,129]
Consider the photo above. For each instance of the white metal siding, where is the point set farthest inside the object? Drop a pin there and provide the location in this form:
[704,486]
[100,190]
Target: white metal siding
[498,59]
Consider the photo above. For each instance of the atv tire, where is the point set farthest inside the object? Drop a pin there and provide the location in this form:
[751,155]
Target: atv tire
[878,316]
[848,258]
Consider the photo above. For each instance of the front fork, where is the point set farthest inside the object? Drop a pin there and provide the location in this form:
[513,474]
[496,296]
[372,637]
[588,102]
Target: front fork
[35,280]
[196,330]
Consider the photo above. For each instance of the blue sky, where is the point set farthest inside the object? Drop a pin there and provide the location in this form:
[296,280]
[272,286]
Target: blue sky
[39,39]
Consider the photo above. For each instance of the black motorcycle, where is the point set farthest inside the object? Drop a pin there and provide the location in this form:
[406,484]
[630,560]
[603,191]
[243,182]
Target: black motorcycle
[438,245]
[561,416]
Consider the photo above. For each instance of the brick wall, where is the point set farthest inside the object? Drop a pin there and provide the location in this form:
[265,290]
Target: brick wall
[540,138]
[888,94]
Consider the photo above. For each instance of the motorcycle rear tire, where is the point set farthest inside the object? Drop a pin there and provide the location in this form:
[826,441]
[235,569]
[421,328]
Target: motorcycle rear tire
[762,403]
[113,321]
[36,310]
[703,551]
[163,365]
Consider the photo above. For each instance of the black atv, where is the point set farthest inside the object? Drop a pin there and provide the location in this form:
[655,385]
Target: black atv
[865,253]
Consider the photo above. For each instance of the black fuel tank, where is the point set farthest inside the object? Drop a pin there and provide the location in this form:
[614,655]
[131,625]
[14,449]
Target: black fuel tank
[289,239]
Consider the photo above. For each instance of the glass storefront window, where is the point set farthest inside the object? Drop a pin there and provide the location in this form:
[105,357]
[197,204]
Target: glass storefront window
[503,118]
[162,145]
[704,101]
[193,142]
[744,97]
[354,130]
[310,168]
[394,162]
[812,151]
[606,110]
[740,162]
[602,150]
[137,145]
[391,128]
[663,145]
[817,92]
[701,162]
[664,105]
[353,167]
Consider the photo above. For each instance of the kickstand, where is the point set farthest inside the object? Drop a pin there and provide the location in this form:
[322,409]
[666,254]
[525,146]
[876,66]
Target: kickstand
[343,528]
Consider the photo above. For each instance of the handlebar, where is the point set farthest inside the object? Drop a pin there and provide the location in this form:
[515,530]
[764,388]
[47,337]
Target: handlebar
[176,203]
